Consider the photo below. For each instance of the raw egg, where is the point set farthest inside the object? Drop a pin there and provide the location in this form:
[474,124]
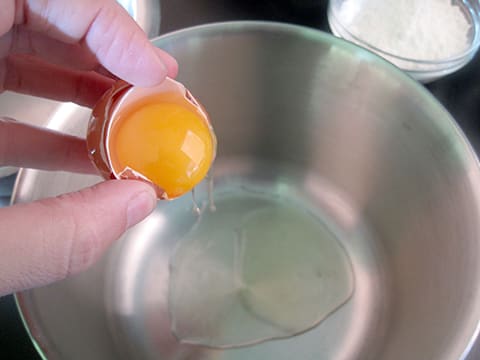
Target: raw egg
[160,134]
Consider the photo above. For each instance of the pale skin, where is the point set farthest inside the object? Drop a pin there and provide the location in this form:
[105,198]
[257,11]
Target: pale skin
[67,50]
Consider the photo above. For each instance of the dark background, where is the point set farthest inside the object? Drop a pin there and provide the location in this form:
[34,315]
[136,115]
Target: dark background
[459,93]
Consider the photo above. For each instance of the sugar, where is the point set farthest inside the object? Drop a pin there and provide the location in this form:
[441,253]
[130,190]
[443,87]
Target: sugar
[421,30]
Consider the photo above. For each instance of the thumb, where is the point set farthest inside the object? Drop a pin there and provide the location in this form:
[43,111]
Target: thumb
[50,239]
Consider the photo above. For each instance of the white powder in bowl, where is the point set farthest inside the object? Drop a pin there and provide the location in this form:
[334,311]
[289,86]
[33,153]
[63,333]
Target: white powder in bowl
[414,29]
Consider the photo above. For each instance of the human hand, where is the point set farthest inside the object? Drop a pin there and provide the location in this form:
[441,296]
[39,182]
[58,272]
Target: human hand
[67,50]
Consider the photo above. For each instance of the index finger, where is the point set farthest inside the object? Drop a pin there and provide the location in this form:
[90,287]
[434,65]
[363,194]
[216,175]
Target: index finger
[23,145]
[107,30]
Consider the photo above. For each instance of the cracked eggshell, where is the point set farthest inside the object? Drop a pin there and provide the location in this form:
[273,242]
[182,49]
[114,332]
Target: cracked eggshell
[104,115]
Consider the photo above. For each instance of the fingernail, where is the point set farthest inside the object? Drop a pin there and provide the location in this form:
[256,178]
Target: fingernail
[158,73]
[150,70]
[139,207]
[169,61]
[163,71]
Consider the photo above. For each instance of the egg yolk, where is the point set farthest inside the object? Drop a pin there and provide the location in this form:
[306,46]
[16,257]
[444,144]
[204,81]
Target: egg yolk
[168,142]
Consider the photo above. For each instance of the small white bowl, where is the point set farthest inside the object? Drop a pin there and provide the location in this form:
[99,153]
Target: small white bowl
[388,28]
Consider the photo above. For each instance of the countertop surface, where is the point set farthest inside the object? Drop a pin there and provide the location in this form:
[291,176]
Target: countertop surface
[459,93]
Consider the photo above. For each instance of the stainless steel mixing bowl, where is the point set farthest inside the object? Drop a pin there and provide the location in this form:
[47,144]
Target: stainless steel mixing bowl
[301,112]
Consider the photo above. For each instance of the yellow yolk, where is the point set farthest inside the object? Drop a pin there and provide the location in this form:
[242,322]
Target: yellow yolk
[168,142]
